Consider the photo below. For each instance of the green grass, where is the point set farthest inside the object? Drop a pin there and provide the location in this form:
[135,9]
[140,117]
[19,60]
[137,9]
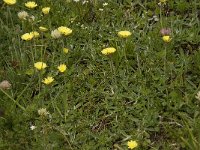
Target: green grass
[145,91]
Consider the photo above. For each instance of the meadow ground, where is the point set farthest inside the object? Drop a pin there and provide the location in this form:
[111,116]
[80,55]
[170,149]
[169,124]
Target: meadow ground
[62,89]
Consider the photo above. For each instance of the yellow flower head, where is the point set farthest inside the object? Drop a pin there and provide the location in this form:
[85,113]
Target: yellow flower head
[31,4]
[65,50]
[40,65]
[124,34]
[62,67]
[35,34]
[166,38]
[109,50]
[64,30]
[10,2]
[163,1]
[27,36]
[132,144]
[46,10]
[48,80]
[43,29]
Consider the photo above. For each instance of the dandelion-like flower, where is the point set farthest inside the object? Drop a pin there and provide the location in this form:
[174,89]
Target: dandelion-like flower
[124,34]
[55,34]
[62,67]
[40,65]
[27,36]
[65,50]
[43,112]
[35,34]
[46,10]
[132,144]
[10,2]
[48,80]
[31,4]
[43,29]
[5,85]
[64,30]
[109,50]
[166,38]
[22,15]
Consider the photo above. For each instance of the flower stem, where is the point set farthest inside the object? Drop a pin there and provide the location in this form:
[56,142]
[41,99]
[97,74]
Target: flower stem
[20,106]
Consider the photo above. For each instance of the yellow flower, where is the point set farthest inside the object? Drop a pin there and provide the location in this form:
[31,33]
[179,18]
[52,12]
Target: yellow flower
[132,144]
[166,38]
[43,29]
[35,34]
[64,30]
[62,67]
[10,2]
[27,36]
[124,34]
[40,65]
[109,50]
[46,10]
[48,80]
[163,1]
[31,4]
[65,50]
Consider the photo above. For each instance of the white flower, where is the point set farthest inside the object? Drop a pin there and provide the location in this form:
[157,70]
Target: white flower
[100,9]
[43,112]
[22,15]
[55,34]
[76,0]
[105,4]
[33,127]
[31,18]
[84,2]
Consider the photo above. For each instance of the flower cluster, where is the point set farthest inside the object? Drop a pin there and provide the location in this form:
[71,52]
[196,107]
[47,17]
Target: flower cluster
[49,79]
[30,36]
[40,65]
[121,34]
[62,30]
